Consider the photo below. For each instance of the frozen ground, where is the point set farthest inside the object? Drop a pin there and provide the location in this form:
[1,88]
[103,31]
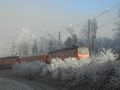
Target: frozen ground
[7,84]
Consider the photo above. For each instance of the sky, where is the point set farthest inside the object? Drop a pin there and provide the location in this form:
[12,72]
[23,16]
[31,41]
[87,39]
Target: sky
[49,16]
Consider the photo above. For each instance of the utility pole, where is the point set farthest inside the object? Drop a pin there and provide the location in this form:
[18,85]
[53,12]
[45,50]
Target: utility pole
[93,43]
[89,36]
[20,52]
[93,34]
[35,48]
[13,49]
[59,40]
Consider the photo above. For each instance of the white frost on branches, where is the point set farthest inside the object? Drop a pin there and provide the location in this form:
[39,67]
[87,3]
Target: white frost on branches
[25,40]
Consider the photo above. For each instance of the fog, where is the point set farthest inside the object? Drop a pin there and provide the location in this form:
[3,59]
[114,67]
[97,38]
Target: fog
[43,17]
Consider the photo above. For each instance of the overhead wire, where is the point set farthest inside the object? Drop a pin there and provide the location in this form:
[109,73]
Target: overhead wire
[95,17]
[109,22]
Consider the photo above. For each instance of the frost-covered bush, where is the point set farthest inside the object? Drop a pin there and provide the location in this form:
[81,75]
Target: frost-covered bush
[66,68]
[104,55]
[115,80]
[84,73]
[31,69]
[100,72]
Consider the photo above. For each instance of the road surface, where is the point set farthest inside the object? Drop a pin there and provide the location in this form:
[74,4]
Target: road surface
[32,84]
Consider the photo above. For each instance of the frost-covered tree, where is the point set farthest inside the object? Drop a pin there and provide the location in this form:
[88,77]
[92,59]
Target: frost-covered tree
[24,42]
[74,39]
[104,43]
[35,47]
[52,46]
[5,49]
[71,39]
[53,43]
[24,48]
[68,42]
[43,45]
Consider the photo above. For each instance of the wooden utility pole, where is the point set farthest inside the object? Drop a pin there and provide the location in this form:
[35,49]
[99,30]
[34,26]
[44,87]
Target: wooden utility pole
[59,40]
[89,36]
[93,43]
[13,49]
[35,48]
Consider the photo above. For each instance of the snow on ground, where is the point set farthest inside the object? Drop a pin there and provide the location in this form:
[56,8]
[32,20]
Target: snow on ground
[7,84]
[100,72]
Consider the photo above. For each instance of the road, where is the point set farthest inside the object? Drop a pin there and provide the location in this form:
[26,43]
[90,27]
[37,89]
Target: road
[33,84]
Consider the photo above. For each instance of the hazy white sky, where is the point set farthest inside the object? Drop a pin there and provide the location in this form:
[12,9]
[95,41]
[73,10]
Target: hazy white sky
[41,16]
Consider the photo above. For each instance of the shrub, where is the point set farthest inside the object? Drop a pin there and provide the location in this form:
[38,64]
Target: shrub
[100,72]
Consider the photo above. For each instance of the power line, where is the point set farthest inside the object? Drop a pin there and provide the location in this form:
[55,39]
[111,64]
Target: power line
[95,17]
[101,14]
[106,11]
[108,22]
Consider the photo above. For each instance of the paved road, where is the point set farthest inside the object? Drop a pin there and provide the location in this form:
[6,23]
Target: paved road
[8,84]
[33,84]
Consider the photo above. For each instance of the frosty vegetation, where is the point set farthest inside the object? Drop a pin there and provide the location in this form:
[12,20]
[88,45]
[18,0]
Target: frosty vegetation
[101,72]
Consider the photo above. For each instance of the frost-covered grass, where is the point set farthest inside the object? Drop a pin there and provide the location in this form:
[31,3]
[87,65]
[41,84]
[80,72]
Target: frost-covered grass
[101,72]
